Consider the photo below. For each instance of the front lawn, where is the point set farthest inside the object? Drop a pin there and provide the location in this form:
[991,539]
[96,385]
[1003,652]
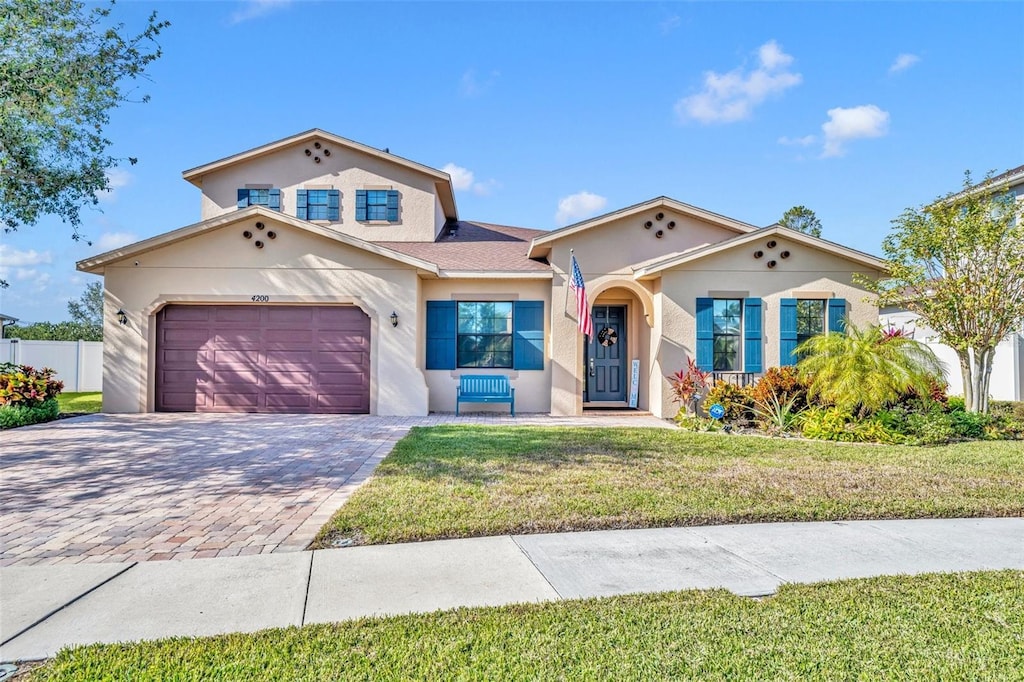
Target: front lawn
[80,402]
[932,627]
[462,481]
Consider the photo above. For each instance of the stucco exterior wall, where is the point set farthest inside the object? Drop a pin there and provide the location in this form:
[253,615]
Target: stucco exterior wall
[533,387]
[221,267]
[807,273]
[606,255]
[346,170]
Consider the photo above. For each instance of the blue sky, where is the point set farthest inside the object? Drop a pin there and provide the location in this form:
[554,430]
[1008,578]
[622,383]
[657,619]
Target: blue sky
[548,113]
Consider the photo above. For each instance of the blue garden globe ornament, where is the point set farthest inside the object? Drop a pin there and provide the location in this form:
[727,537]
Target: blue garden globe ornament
[716,411]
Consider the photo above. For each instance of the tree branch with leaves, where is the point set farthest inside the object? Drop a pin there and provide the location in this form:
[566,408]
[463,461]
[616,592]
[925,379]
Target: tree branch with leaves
[959,264]
[63,68]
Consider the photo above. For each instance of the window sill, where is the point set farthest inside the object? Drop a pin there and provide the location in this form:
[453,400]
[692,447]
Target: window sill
[509,372]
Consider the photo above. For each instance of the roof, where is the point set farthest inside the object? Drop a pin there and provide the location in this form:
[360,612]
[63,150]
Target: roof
[97,263]
[1006,179]
[482,249]
[657,202]
[7,318]
[651,268]
[443,180]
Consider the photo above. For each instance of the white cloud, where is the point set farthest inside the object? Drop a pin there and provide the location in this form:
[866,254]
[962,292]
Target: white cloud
[254,9]
[463,180]
[903,62]
[798,141]
[854,123]
[12,258]
[732,96]
[471,85]
[112,240]
[117,178]
[578,206]
[670,24]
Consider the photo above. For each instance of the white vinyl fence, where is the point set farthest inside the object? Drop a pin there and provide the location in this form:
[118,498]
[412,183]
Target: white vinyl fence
[79,364]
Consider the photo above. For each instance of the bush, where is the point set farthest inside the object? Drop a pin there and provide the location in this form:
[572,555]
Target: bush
[27,387]
[828,423]
[737,401]
[13,415]
[781,384]
[1005,408]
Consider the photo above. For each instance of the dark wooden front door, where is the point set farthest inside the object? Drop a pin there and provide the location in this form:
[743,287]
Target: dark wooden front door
[607,378]
[242,358]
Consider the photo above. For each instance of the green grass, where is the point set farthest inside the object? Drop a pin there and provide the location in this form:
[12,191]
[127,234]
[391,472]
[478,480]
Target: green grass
[461,481]
[933,627]
[80,402]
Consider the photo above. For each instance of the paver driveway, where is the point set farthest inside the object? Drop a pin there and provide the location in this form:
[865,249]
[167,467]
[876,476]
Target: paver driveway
[179,486]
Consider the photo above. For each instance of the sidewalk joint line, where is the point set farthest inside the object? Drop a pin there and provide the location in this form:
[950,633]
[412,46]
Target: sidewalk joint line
[309,579]
[535,566]
[92,589]
[751,562]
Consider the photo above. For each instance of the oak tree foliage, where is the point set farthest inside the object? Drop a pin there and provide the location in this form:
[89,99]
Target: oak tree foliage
[63,68]
[959,264]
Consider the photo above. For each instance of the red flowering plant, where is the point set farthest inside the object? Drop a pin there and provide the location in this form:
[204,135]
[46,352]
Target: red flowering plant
[26,386]
[689,385]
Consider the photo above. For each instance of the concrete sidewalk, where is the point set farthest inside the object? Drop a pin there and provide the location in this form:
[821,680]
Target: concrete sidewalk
[45,608]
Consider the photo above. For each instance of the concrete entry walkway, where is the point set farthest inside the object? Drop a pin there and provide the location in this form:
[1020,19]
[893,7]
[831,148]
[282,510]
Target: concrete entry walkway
[44,608]
[143,487]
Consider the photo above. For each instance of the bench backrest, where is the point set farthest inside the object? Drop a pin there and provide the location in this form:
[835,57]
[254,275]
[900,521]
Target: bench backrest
[484,384]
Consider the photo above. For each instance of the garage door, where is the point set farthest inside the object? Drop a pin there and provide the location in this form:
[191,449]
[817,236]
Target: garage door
[263,359]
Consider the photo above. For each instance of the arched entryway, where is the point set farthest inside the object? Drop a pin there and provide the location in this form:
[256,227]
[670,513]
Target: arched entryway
[615,359]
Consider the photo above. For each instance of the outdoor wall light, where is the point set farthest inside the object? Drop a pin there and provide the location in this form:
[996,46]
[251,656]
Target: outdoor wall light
[122,316]
[394,319]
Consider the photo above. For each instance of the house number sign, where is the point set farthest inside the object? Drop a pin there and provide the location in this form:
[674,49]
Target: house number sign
[261,298]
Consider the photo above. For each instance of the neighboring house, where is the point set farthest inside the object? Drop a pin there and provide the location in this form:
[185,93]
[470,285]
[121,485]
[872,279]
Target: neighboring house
[1007,380]
[4,321]
[329,276]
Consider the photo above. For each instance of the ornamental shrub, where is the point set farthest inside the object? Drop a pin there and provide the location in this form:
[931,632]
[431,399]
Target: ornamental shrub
[781,384]
[737,401]
[26,386]
[16,414]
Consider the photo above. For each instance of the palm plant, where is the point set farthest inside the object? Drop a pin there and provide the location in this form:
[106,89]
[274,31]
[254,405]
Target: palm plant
[866,368]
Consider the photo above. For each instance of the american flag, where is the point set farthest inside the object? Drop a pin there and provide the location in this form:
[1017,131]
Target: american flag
[584,321]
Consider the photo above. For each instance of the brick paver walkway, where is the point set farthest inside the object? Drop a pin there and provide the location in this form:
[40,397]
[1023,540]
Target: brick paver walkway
[107,488]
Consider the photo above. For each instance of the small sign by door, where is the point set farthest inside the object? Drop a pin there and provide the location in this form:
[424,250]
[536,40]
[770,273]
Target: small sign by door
[634,383]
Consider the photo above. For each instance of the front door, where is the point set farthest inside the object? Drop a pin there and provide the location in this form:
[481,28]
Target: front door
[607,379]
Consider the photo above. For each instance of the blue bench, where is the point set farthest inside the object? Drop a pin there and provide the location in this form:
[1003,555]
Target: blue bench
[485,388]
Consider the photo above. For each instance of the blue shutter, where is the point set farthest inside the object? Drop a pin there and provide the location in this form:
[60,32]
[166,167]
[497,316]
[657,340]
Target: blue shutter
[787,331]
[274,199]
[301,209]
[361,204]
[837,315]
[752,334]
[243,198]
[706,334]
[333,204]
[528,335]
[392,205]
[442,321]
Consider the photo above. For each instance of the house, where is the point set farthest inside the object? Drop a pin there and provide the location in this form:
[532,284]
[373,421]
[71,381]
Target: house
[1007,379]
[4,321]
[325,275]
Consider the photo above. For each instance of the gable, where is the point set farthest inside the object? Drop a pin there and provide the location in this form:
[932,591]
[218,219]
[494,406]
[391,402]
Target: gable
[617,244]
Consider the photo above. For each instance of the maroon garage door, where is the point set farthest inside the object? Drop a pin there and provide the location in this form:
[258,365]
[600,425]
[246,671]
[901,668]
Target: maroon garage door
[245,358]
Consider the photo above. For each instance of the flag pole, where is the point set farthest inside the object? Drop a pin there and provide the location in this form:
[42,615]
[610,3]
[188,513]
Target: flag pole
[565,303]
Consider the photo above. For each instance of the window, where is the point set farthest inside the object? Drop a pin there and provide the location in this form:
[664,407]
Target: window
[727,313]
[249,196]
[316,204]
[810,318]
[377,205]
[484,336]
